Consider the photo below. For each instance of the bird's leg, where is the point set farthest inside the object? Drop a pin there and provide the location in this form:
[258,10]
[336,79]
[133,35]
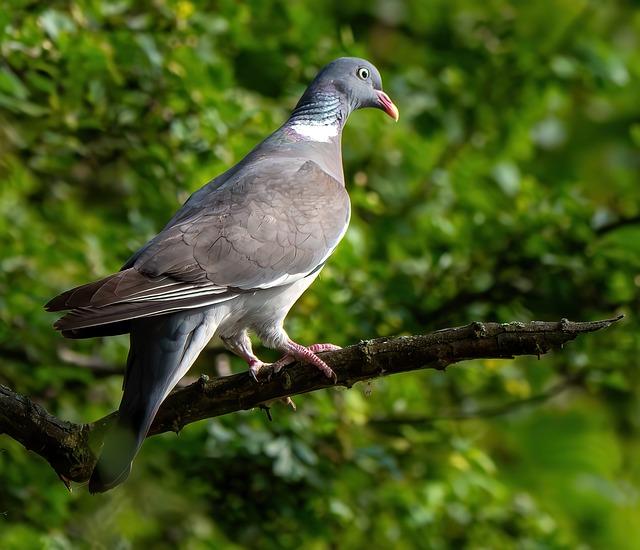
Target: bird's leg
[240,344]
[296,352]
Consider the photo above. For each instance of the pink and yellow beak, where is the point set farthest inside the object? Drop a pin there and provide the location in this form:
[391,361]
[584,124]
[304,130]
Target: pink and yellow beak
[387,105]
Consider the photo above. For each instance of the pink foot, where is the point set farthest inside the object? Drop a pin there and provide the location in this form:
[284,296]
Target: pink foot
[296,352]
[319,348]
[254,367]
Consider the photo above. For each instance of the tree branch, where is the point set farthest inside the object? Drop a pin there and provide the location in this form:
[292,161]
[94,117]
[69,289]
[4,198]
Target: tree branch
[617,224]
[70,448]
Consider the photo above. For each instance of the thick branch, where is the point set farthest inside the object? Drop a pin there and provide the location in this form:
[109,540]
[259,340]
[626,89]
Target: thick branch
[68,447]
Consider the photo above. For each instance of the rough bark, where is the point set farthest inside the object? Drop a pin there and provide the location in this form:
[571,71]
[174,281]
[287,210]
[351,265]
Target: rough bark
[70,448]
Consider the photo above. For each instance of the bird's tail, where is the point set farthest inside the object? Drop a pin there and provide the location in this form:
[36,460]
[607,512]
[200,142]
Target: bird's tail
[162,350]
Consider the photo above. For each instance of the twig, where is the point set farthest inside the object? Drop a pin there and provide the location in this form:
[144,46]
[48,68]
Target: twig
[616,224]
[95,364]
[490,411]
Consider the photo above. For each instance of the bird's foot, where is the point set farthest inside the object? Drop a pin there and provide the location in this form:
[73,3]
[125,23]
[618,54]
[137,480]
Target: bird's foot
[319,348]
[254,368]
[296,352]
[288,402]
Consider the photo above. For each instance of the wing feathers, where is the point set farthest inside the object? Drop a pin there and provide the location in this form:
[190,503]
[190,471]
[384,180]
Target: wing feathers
[86,317]
[128,295]
[129,286]
[274,222]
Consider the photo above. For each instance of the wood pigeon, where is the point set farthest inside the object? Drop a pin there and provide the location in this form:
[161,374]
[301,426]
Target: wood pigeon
[234,258]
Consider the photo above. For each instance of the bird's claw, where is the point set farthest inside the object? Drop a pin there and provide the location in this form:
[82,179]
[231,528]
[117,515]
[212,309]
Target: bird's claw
[328,371]
[296,353]
[319,348]
[289,402]
[254,369]
[281,363]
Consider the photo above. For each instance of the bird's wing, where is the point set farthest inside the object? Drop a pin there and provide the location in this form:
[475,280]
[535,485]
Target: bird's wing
[274,223]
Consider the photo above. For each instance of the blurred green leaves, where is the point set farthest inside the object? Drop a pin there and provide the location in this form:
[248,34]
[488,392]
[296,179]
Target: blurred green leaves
[508,191]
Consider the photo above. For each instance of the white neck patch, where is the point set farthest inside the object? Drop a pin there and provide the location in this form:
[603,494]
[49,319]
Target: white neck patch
[315,132]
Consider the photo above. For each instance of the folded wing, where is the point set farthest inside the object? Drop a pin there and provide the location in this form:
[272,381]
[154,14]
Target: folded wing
[270,225]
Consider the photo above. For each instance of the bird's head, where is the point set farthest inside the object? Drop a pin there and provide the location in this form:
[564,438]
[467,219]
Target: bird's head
[356,82]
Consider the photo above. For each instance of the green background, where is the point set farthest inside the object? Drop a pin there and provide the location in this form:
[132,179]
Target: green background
[509,190]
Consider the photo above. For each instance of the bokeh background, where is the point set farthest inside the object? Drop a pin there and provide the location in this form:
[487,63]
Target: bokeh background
[509,190]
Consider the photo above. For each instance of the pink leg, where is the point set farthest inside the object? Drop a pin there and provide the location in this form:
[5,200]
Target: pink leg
[296,352]
[241,346]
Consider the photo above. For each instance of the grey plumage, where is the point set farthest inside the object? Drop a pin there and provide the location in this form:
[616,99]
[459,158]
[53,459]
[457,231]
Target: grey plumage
[234,258]
[259,227]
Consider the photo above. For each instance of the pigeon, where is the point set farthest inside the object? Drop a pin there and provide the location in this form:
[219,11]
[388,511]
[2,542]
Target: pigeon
[235,258]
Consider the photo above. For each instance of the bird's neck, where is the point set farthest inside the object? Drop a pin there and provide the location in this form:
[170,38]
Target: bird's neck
[319,117]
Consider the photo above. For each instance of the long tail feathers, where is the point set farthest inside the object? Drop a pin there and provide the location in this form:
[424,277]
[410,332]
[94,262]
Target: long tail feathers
[162,350]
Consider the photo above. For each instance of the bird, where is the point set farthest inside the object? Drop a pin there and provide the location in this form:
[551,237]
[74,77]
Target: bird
[232,260]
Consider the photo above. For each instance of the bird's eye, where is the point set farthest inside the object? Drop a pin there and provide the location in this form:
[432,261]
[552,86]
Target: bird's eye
[363,73]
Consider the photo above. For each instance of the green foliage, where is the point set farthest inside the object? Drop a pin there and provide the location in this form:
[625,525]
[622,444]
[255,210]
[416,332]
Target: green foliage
[502,194]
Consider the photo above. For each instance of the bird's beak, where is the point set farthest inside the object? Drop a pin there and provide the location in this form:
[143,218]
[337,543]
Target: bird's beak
[385,103]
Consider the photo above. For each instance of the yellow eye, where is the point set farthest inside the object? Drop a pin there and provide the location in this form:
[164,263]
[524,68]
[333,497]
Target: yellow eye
[363,73]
